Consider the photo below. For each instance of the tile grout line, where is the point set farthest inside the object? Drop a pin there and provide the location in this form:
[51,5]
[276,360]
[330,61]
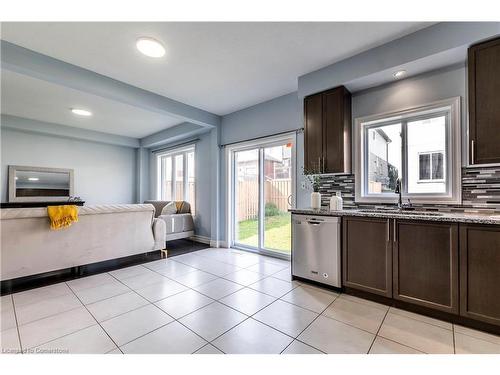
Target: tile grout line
[247,317]
[454,346]
[405,345]
[421,321]
[17,323]
[320,314]
[92,315]
[378,330]
[153,303]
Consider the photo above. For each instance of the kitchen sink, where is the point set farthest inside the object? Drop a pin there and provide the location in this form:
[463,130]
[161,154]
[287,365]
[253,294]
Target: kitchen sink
[401,212]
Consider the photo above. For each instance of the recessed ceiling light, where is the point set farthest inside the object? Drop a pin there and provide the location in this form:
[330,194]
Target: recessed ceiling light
[150,47]
[399,74]
[81,112]
[33,178]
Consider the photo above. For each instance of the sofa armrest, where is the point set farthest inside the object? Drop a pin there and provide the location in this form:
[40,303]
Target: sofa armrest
[159,233]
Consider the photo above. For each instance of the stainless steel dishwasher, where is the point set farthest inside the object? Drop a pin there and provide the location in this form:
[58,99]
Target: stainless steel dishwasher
[316,248]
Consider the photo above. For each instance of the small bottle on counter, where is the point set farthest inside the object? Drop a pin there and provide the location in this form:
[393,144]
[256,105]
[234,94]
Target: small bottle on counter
[336,202]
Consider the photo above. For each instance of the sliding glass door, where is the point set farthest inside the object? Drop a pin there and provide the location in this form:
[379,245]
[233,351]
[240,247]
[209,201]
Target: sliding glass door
[262,186]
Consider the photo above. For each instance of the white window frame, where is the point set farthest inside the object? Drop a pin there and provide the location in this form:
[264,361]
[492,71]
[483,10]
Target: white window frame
[453,194]
[430,180]
[173,154]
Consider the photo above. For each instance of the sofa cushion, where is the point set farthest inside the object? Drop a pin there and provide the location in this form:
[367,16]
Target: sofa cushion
[169,209]
[183,208]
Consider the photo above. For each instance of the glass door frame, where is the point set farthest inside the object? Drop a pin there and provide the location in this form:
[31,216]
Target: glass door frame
[260,145]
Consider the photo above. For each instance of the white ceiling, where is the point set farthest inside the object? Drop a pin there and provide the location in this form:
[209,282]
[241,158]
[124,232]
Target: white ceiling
[218,67]
[35,99]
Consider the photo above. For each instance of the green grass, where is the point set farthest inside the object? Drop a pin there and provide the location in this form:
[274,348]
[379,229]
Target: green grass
[277,234]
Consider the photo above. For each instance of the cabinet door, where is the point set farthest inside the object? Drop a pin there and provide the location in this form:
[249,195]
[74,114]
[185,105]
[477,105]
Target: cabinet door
[484,102]
[337,123]
[366,255]
[480,273]
[313,132]
[426,264]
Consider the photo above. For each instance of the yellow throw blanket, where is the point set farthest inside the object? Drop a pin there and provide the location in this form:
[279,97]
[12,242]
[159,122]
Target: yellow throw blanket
[62,216]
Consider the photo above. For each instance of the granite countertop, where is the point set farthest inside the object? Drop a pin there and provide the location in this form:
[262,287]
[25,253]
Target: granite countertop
[454,217]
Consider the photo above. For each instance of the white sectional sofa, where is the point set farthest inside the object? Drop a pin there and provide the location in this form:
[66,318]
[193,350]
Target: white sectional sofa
[103,232]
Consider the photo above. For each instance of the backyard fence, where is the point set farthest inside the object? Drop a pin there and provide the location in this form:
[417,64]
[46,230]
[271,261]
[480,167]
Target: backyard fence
[275,191]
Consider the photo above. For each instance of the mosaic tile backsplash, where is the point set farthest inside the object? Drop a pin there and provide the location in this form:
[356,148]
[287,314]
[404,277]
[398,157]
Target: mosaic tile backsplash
[480,191]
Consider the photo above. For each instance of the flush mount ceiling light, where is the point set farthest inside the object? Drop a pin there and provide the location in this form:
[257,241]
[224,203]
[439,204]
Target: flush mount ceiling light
[81,112]
[150,47]
[399,74]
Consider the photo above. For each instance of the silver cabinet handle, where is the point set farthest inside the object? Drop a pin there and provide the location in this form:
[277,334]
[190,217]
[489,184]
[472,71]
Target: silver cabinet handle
[388,230]
[323,164]
[319,164]
[472,151]
[395,231]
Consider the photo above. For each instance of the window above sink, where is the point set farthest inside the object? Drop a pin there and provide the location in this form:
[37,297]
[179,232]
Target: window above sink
[420,146]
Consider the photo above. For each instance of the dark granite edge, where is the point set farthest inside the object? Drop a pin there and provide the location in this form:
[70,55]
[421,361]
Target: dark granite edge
[468,218]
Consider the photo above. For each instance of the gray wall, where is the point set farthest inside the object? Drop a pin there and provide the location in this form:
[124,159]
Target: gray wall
[103,173]
[422,89]
[280,114]
[285,113]
[203,170]
[277,115]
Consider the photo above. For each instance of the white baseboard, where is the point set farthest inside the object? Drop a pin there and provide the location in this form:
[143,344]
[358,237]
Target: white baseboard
[201,239]
[214,243]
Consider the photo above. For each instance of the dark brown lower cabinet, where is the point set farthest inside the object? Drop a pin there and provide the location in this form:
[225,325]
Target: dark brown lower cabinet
[425,264]
[480,273]
[366,255]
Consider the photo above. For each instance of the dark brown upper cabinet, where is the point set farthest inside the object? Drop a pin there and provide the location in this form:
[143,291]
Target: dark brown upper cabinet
[367,255]
[484,102]
[327,131]
[480,273]
[425,264]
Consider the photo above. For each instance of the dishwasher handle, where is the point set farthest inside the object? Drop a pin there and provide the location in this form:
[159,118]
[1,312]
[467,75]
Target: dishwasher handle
[314,222]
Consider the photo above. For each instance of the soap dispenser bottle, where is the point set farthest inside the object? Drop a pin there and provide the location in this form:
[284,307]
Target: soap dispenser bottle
[336,202]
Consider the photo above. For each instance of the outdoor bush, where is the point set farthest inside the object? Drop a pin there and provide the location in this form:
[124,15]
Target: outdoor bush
[271,209]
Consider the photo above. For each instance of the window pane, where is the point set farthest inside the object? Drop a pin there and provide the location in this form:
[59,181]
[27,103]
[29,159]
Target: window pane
[384,158]
[166,183]
[437,166]
[191,181]
[427,136]
[179,177]
[277,189]
[425,166]
[246,192]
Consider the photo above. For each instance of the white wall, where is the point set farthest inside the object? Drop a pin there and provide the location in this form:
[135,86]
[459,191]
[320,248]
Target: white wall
[103,173]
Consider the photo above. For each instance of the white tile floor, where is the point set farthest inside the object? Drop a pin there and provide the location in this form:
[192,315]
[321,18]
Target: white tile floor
[218,301]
